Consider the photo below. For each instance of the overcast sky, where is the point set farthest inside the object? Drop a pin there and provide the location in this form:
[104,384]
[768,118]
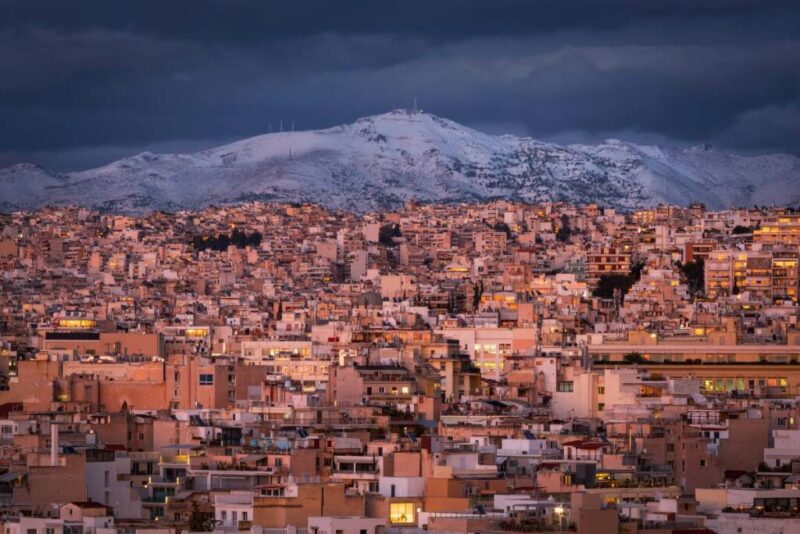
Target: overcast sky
[85,82]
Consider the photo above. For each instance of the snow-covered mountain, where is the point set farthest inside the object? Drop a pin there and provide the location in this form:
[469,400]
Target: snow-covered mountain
[381,161]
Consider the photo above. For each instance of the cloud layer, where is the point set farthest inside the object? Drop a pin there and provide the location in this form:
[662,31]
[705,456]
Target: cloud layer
[87,82]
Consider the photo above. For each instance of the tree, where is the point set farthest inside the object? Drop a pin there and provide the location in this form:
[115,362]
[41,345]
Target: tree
[502,227]
[636,271]
[221,242]
[565,231]
[387,233]
[477,294]
[609,282]
[200,521]
[695,274]
[633,357]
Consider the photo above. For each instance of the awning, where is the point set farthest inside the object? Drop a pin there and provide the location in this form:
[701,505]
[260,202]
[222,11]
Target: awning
[11,477]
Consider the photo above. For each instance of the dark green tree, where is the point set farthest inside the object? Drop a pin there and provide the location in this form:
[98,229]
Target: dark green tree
[695,274]
[564,231]
[387,232]
[633,357]
[502,227]
[477,293]
[609,282]
[221,242]
[200,521]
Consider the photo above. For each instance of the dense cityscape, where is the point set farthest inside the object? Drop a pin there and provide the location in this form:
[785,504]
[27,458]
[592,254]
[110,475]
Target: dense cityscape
[490,367]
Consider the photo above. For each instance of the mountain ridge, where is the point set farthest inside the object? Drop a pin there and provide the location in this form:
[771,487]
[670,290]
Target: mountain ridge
[379,162]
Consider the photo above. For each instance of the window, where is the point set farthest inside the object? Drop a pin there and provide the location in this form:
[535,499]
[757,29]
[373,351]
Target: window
[244,516]
[601,390]
[565,387]
[702,463]
[601,406]
[401,513]
[224,515]
[206,380]
[49,530]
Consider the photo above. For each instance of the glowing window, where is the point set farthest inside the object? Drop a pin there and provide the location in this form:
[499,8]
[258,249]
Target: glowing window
[401,513]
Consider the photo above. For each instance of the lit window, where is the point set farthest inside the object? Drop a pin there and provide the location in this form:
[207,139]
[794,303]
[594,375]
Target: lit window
[401,513]
[206,379]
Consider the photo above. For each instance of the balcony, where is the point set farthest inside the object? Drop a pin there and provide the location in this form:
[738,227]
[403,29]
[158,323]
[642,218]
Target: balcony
[354,475]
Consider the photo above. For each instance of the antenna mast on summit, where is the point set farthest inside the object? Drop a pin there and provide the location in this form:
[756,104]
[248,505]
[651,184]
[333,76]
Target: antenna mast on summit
[415,104]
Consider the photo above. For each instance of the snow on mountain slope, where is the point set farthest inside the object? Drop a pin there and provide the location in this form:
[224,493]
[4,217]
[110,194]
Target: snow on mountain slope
[381,161]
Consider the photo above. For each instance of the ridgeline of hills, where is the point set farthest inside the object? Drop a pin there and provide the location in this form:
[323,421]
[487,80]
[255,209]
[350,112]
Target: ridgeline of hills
[379,162]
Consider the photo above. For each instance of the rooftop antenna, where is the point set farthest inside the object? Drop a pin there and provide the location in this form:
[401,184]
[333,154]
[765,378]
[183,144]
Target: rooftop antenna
[415,104]
[281,125]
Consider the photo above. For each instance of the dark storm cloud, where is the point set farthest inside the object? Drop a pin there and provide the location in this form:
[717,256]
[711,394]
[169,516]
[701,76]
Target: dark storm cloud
[85,82]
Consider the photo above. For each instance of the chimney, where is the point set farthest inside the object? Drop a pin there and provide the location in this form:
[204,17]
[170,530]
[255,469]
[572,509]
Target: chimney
[54,444]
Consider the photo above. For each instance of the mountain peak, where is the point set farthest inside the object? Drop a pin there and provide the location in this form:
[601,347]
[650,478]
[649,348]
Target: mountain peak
[410,117]
[379,162]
